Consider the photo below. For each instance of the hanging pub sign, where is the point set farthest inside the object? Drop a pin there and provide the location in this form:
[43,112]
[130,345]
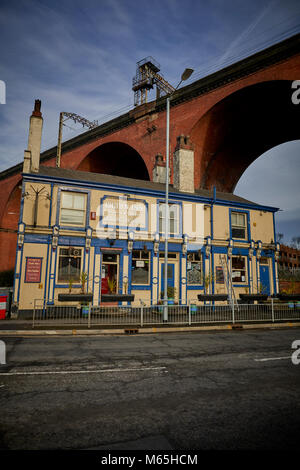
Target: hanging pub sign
[33,270]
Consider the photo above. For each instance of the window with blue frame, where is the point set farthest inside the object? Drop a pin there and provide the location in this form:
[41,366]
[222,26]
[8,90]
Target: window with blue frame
[140,274]
[73,208]
[239,225]
[194,269]
[69,264]
[174,218]
[239,271]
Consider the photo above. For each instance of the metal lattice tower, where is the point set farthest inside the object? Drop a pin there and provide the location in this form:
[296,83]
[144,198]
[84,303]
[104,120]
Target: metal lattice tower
[146,77]
[76,118]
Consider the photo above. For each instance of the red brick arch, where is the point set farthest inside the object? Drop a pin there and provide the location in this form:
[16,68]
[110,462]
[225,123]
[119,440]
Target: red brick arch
[8,233]
[115,158]
[240,128]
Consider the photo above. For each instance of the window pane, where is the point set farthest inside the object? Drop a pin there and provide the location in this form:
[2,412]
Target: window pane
[78,201]
[238,232]
[110,257]
[140,274]
[162,210]
[173,218]
[72,208]
[136,254]
[241,220]
[75,269]
[238,269]
[63,269]
[172,226]
[145,255]
[194,274]
[69,266]
[70,216]
[67,200]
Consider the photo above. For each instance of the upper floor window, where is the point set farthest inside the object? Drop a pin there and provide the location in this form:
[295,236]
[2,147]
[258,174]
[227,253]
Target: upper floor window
[174,227]
[239,225]
[72,208]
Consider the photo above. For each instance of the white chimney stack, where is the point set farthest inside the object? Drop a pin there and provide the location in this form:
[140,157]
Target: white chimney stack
[183,165]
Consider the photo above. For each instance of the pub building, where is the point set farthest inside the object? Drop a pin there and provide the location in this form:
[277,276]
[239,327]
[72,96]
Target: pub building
[112,229]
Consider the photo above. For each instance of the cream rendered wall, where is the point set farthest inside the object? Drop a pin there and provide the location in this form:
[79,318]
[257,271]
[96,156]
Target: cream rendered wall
[193,221]
[31,291]
[221,222]
[192,296]
[43,204]
[141,295]
[261,226]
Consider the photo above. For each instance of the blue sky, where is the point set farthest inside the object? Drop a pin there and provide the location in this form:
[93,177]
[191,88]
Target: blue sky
[81,56]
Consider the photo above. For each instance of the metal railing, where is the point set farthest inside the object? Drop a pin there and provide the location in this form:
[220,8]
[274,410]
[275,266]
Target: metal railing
[143,315]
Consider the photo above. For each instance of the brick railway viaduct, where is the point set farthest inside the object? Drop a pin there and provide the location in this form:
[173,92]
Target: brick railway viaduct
[232,116]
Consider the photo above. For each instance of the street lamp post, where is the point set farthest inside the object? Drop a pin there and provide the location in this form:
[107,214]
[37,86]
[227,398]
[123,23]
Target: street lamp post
[186,74]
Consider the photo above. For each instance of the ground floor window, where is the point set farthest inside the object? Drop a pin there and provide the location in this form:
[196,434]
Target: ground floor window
[140,268]
[239,269]
[69,264]
[194,268]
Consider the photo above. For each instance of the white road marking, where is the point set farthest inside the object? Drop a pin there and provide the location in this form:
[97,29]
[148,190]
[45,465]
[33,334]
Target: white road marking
[2,386]
[96,371]
[272,359]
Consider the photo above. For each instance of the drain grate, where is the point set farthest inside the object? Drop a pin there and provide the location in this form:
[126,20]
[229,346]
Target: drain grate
[131,331]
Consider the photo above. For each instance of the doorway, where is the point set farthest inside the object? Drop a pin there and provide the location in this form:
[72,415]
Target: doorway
[110,273]
[264,277]
[172,274]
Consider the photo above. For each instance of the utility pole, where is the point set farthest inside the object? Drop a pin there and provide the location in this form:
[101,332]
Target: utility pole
[58,155]
[76,118]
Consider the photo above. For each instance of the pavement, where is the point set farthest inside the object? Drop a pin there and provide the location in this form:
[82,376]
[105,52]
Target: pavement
[21,327]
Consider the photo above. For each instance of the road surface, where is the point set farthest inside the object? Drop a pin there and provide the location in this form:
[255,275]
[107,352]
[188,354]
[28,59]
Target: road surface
[193,391]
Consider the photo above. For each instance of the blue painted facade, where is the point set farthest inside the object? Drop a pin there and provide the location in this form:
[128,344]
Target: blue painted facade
[49,238]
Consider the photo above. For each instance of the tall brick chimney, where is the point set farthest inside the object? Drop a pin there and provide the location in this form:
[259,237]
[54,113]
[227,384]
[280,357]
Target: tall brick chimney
[32,154]
[183,165]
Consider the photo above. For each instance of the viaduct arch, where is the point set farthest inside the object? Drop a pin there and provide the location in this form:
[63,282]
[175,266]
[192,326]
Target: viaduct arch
[115,158]
[240,128]
[232,117]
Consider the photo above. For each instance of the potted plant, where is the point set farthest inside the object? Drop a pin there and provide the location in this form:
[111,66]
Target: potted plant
[171,294]
[84,309]
[71,282]
[207,281]
[160,306]
[83,279]
[193,308]
[82,296]
[113,296]
[112,284]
